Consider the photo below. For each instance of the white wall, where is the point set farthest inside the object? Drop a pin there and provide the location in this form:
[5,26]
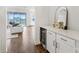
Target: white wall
[73,17]
[31,13]
[73,21]
[42,19]
[52,11]
[42,14]
[2,29]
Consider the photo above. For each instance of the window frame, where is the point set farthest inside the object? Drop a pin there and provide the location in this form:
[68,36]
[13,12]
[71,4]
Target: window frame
[19,13]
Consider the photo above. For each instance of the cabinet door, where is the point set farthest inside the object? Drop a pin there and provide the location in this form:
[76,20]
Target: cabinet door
[77,46]
[50,41]
[65,45]
[64,48]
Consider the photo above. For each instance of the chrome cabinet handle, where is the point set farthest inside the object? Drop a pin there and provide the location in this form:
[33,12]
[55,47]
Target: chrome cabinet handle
[63,39]
[54,43]
[57,45]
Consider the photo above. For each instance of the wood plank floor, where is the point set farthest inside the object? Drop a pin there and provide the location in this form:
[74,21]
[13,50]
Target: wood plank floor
[40,49]
[24,43]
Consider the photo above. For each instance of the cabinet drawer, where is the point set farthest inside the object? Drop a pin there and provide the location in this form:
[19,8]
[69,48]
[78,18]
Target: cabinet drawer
[66,40]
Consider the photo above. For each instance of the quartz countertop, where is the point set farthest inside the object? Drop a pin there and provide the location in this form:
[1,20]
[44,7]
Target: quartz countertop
[68,33]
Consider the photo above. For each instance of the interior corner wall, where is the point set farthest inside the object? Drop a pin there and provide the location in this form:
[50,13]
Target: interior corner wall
[42,19]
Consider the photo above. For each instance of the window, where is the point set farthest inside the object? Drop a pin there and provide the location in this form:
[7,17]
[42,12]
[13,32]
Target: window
[17,18]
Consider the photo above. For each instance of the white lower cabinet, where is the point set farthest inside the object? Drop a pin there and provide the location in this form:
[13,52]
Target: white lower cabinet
[50,41]
[60,44]
[65,45]
[64,48]
[77,46]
